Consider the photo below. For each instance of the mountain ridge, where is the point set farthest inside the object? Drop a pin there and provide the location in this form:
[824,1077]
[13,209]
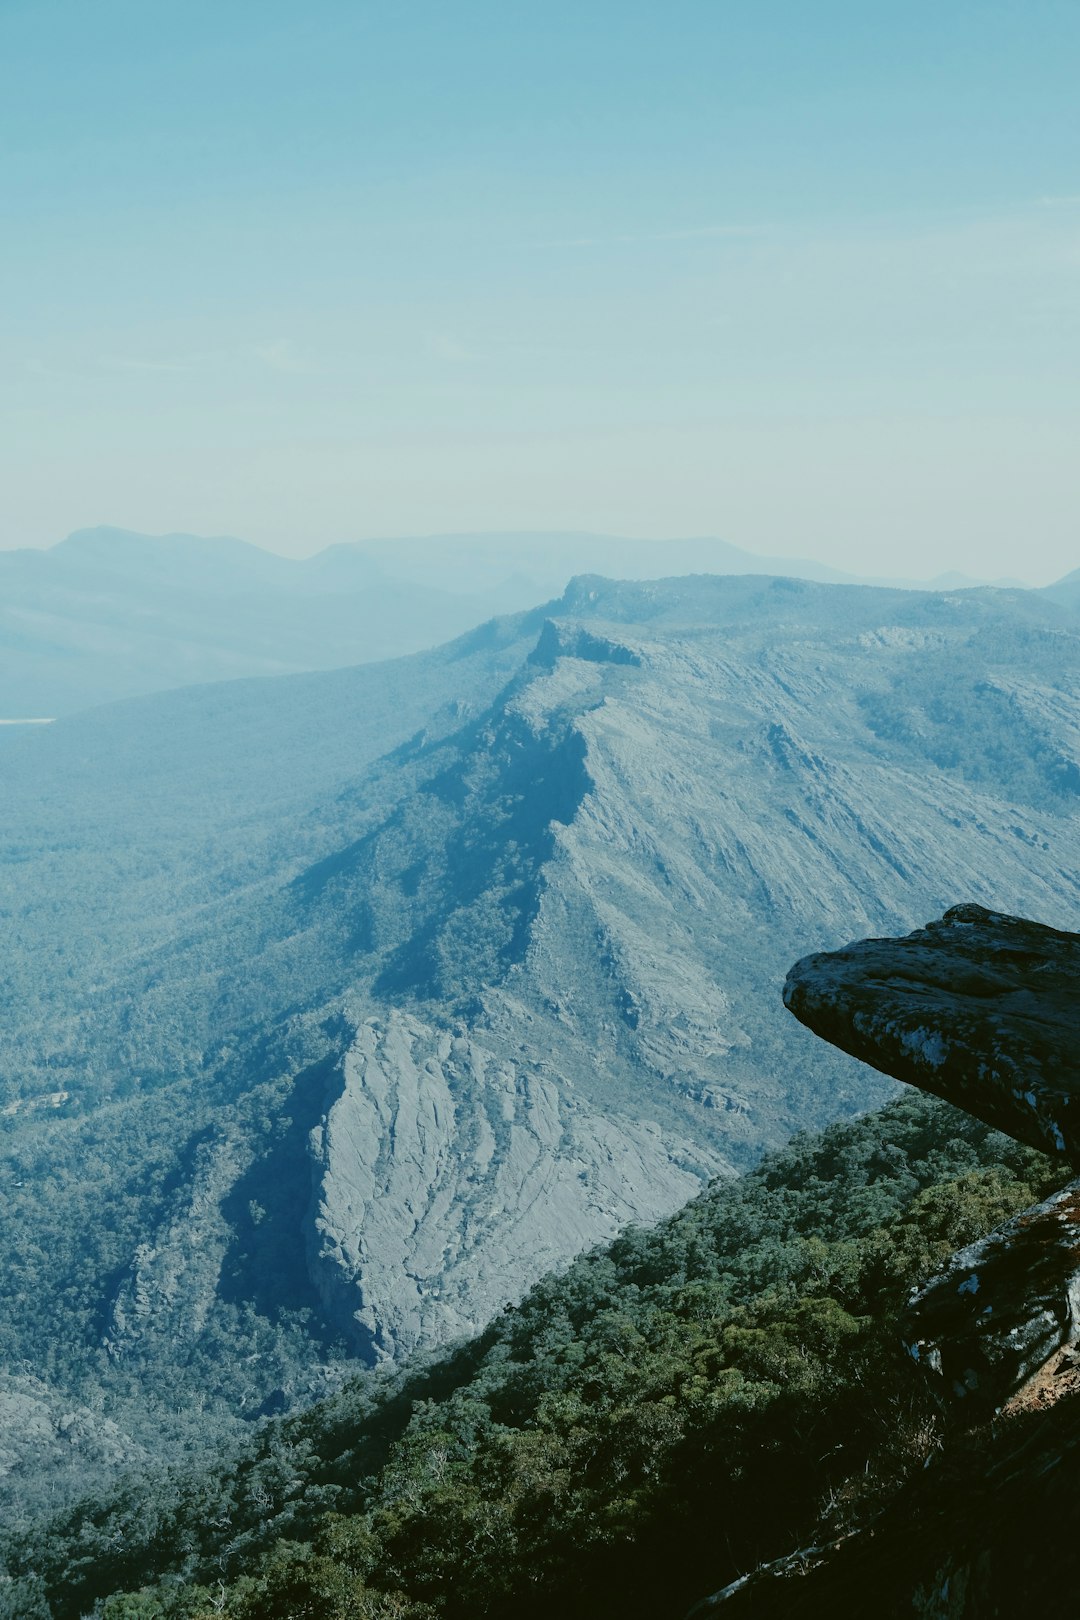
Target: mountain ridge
[108,613]
[736,771]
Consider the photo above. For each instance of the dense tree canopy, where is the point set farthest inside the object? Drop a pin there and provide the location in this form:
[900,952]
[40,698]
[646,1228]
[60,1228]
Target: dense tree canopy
[663,1416]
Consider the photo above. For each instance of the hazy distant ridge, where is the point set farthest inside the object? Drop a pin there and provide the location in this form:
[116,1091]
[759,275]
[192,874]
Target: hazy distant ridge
[107,613]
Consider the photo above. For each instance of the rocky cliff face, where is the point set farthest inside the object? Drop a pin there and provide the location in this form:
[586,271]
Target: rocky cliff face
[1003,1306]
[596,881]
[445,1173]
[170,1288]
[983,1009]
[979,1008]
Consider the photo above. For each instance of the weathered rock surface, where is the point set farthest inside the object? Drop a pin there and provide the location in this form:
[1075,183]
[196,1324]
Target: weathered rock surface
[595,882]
[171,1285]
[446,1176]
[41,1426]
[1003,1305]
[980,1008]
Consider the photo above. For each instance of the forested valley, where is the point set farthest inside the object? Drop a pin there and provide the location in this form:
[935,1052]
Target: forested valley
[669,1412]
[343,1008]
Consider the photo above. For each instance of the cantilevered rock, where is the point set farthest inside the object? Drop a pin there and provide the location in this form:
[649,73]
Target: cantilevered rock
[979,1008]
[983,1010]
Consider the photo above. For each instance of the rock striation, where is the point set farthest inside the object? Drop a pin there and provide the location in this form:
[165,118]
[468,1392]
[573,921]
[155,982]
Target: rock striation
[585,850]
[1003,1306]
[446,1175]
[982,1009]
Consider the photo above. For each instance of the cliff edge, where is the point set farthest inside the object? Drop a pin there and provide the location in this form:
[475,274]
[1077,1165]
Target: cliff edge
[982,1009]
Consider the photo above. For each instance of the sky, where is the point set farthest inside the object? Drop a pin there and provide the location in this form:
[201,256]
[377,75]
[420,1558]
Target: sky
[806,278]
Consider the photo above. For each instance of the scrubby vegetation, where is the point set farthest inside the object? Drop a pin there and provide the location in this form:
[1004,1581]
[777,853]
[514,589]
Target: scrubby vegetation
[643,1428]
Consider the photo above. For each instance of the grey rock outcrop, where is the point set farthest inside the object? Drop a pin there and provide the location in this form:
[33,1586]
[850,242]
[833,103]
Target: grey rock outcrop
[447,1176]
[592,866]
[980,1008]
[171,1285]
[42,1425]
[1003,1306]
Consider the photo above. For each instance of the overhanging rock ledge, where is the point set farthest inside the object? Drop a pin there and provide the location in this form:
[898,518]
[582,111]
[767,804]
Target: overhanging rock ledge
[980,1008]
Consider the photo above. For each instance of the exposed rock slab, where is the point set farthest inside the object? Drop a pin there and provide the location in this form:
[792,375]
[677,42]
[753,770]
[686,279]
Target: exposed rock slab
[980,1008]
[170,1289]
[40,1422]
[1003,1305]
[732,773]
[448,1177]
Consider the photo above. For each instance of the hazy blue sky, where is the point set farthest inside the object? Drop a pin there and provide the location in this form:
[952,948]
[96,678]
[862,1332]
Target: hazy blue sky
[803,276]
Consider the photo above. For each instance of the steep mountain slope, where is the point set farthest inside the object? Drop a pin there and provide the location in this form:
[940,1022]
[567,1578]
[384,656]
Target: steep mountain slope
[694,840]
[138,825]
[424,1034]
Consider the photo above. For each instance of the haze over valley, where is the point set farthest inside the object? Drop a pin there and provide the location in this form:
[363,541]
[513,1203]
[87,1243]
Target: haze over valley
[539,811]
[340,1006]
[108,614]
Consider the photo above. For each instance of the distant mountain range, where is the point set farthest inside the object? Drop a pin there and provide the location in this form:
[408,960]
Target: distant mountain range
[109,614]
[336,1008]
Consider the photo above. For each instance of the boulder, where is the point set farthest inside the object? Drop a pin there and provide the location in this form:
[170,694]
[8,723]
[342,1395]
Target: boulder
[984,1010]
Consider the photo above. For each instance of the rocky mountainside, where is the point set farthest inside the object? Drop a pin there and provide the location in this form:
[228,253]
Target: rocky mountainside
[672,1410]
[445,1174]
[358,1058]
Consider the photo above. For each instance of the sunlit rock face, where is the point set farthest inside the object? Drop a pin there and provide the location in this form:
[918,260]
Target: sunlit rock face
[403,984]
[980,1008]
[446,1173]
